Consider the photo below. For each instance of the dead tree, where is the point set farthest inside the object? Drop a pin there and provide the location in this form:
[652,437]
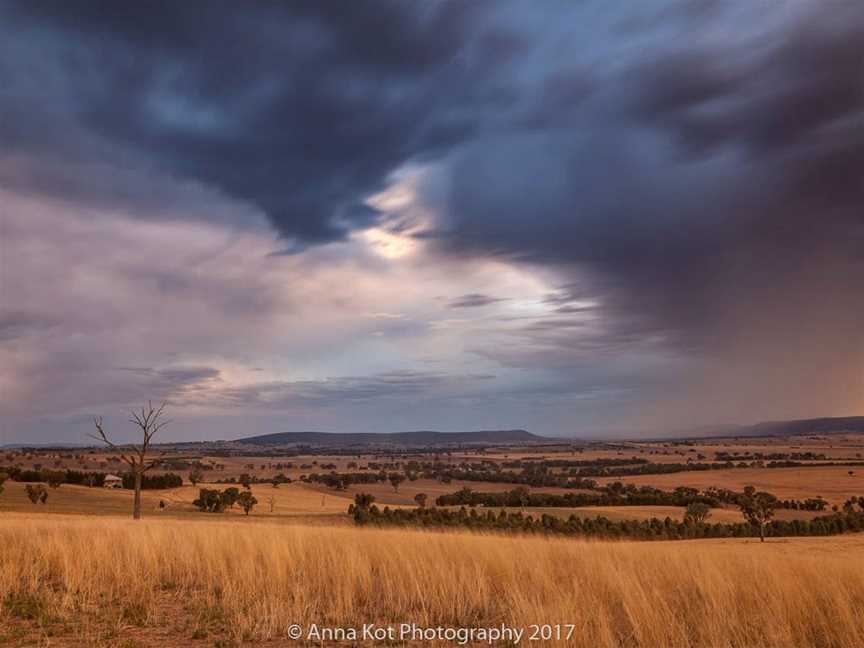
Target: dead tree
[135,455]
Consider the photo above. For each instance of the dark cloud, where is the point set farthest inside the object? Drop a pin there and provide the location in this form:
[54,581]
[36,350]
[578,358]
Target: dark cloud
[473,300]
[701,163]
[690,171]
[299,109]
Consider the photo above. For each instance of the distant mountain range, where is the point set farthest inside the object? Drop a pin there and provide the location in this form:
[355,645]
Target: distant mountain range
[419,438]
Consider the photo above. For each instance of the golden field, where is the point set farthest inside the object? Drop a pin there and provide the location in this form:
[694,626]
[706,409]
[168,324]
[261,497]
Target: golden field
[71,580]
[77,572]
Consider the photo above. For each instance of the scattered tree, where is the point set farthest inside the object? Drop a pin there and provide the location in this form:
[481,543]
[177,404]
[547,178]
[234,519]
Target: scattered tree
[195,476]
[246,500]
[149,422]
[697,513]
[395,480]
[421,498]
[245,481]
[37,493]
[757,508]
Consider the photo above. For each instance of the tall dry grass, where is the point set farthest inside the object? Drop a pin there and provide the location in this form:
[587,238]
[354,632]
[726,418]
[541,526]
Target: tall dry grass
[260,578]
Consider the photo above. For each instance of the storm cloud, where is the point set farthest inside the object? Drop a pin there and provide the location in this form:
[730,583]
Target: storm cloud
[299,109]
[630,215]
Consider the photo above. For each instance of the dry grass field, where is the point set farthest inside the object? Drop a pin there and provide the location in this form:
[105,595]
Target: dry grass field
[76,571]
[76,581]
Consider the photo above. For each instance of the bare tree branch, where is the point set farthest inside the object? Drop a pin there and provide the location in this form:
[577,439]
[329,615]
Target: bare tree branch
[149,424]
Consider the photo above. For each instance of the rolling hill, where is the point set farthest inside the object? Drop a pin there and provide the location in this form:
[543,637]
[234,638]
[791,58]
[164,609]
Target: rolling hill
[418,438]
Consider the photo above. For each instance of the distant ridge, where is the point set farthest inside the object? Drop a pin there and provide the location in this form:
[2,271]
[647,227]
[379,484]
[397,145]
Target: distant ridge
[793,427]
[422,437]
[822,425]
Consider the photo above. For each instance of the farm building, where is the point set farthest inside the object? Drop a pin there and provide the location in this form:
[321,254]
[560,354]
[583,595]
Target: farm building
[113,481]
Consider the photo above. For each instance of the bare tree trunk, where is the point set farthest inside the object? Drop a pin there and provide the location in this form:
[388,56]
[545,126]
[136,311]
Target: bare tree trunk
[148,421]
[761,533]
[136,507]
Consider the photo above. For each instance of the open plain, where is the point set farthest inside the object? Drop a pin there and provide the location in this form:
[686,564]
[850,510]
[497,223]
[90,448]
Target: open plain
[184,576]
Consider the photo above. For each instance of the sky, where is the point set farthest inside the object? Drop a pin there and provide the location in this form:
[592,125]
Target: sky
[576,218]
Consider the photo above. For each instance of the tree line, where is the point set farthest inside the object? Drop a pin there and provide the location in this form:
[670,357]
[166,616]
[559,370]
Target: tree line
[757,509]
[615,494]
[55,478]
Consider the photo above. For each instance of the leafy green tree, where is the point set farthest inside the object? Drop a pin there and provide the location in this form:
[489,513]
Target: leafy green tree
[697,513]
[210,500]
[246,500]
[245,481]
[195,476]
[229,496]
[757,508]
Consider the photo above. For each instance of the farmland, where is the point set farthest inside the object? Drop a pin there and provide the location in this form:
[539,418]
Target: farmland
[245,578]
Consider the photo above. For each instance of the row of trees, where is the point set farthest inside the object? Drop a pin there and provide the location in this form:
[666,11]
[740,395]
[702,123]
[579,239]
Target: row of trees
[522,497]
[572,463]
[722,455]
[615,494]
[55,478]
[246,480]
[756,507]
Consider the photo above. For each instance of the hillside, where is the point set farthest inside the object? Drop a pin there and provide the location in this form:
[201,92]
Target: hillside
[418,438]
